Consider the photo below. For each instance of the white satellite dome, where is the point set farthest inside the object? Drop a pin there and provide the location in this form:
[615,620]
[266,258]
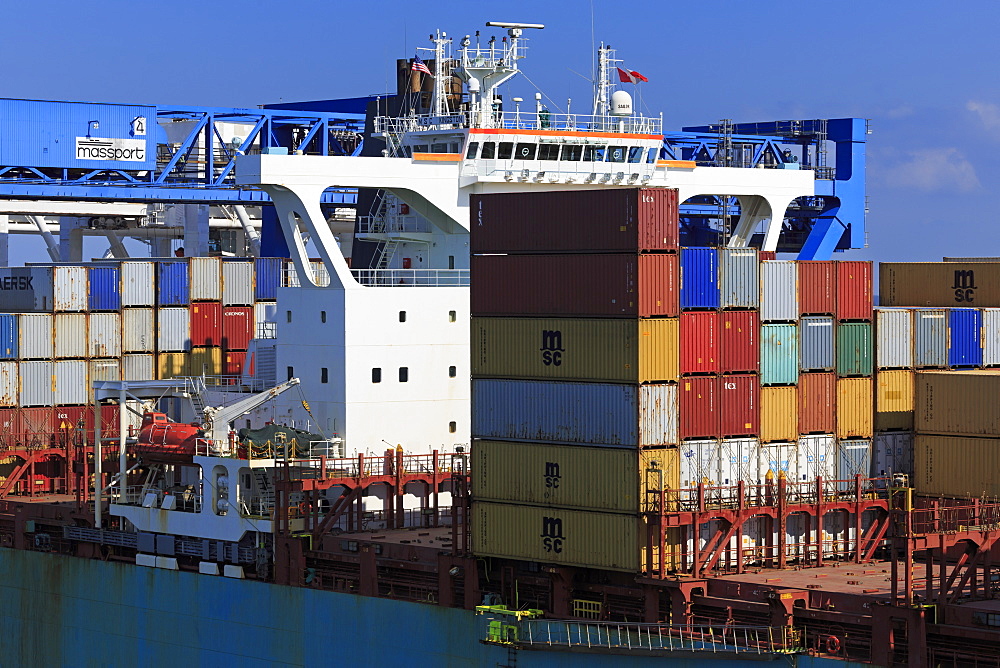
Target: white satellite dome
[621,103]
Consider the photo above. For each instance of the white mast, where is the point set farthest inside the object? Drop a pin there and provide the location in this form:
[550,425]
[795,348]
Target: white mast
[605,60]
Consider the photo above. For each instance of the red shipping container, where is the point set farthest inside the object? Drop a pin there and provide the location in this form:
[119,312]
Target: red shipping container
[740,403]
[69,418]
[767,255]
[608,286]
[206,324]
[739,344]
[699,342]
[237,327]
[817,287]
[698,405]
[610,220]
[817,403]
[854,290]
[232,364]
[36,425]
[10,423]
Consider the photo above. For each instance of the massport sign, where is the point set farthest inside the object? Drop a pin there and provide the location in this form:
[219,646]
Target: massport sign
[101,148]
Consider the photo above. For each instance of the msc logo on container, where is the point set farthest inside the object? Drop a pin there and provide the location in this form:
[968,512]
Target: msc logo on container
[552,476]
[965,285]
[552,348]
[552,534]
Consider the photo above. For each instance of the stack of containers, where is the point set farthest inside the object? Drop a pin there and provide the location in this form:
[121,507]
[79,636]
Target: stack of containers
[238,313]
[575,363]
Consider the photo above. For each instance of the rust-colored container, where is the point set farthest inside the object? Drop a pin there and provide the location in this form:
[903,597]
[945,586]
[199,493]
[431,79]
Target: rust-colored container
[699,407]
[778,414]
[740,402]
[818,287]
[854,290]
[739,344]
[608,220]
[232,363]
[699,342]
[206,324]
[585,285]
[817,403]
[237,327]
[36,423]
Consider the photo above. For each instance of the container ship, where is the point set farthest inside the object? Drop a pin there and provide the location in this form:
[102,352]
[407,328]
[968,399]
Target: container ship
[442,380]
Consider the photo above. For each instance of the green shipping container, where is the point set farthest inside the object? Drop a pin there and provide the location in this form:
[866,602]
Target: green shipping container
[854,349]
[779,354]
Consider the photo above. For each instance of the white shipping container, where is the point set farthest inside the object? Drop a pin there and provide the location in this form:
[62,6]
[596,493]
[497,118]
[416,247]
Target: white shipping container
[893,454]
[69,333]
[37,384]
[817,456]
[138,286]
[105,335]
[137,367]
[237,283]
[699,463]
[991,337]
[70,380]
[43,289]
[109,369]
[173,329]
[34,336]
[778,458]
[739,277]
[266,318]
[10,385]
[739,461]
[894,332]
[779,291]
[206,278]
[137,330]
[70,288]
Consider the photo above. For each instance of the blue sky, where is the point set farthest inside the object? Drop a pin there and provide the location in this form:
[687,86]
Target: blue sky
[922,71]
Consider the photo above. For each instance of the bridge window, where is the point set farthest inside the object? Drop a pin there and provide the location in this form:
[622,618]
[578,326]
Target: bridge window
[571,153]
[506,150]
[525,152]
[473,150]
[653,155]
[548,152]
[420,148]
[489,150]
[635,154]
[593,153]
[440,148]
[616,154]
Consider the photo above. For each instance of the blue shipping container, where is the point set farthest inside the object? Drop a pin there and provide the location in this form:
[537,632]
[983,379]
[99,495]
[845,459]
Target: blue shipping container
[105,291]
[268,278]
[699,278]
[8,336]
[965,337]
[172,284]
[779,354]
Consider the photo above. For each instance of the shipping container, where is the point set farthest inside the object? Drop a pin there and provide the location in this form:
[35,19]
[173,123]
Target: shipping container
[105,288]
[958,402]
[817,287]
[854,458]
[965,337]
[34,332]
[699,463]
[37,424]
[779,292]
[939,284]
[854,349]
[659,478]
[205,361]
[105,335]
[173,329]
[816,456]
[956,466]
[37,384]
[10,421]
[699,342]
[10,385]
[613,415]
[171,365]
[779,355]
[854,408]
[778,414]
[698,400]
[556,536]
[205,279]
[930,338]
[602,221]
[739,278]
[138,286]
[576,349]
[70,382]
[137,330]
[894,338]
[237,327]
[739,461]
[107,369]
[173,283]
[817,403]
[138,367]
[739,345]
[69,333]
[206,324]
[233,362]
[237,282]
[991,337]
[892,452]
[894,399]
[266,317]
[854,290]
[699,278]
[575,285]
[739,400]
[267,278]
[816,348]
[778,460]
[43,289]
[8,336]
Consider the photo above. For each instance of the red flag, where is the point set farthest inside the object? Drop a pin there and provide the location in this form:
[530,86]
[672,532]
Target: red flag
[627,76]
[638,76]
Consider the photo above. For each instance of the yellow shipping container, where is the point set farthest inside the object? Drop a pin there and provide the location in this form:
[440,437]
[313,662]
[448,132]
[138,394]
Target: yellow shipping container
[170,365]
[556,535]
[939,284]
[779,414]
[650,553]
[659,470]
[205,360]
[894,400]
[958,402]
[956,466]
[617,350]
[854,408]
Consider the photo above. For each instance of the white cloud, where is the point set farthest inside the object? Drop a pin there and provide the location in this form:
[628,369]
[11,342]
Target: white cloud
[932,169]
[902,111]
[989,114]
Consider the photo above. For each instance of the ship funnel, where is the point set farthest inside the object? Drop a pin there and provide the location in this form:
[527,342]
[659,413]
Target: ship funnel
[621,103]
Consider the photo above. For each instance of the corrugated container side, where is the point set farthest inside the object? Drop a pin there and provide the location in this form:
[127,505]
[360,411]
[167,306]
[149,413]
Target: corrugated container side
[779,292]
[659,478]
[779,354]
[740,404]
[698,399]
[37,420]
[26,289]
[205,361]
[69,289]
[105,331]
[817,394]
[173,329]
[172,283]
[105,288]
[69,332]
[37,384]
[264,312]
[778,414]
[206,324]
[233,363]
[137,330]
[854,349]
[894,333]
[109,369]
[170,365]
[237,282]
[205,278]
[894,399]
[739,460]
[699,278]
[8,336]
[816,336]
[930,339]
[777,459]
[854,290]
[817,456]
[939,284]
[267,278]
[237,327]
[138,286]
[965,337]
[854,459]
[70,380]
[892,453]
[699,342]
[817,287]
[138,367]
[10,385]
[991,336]
[958,402]
[739,278]
[854,408]
[956,466]
[739,347]
[34,336]
[700,462]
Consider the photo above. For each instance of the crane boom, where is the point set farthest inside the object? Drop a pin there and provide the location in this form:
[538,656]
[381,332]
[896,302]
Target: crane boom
[218,419]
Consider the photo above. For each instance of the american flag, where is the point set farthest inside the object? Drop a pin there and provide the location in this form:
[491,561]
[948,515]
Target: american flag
[420,66]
